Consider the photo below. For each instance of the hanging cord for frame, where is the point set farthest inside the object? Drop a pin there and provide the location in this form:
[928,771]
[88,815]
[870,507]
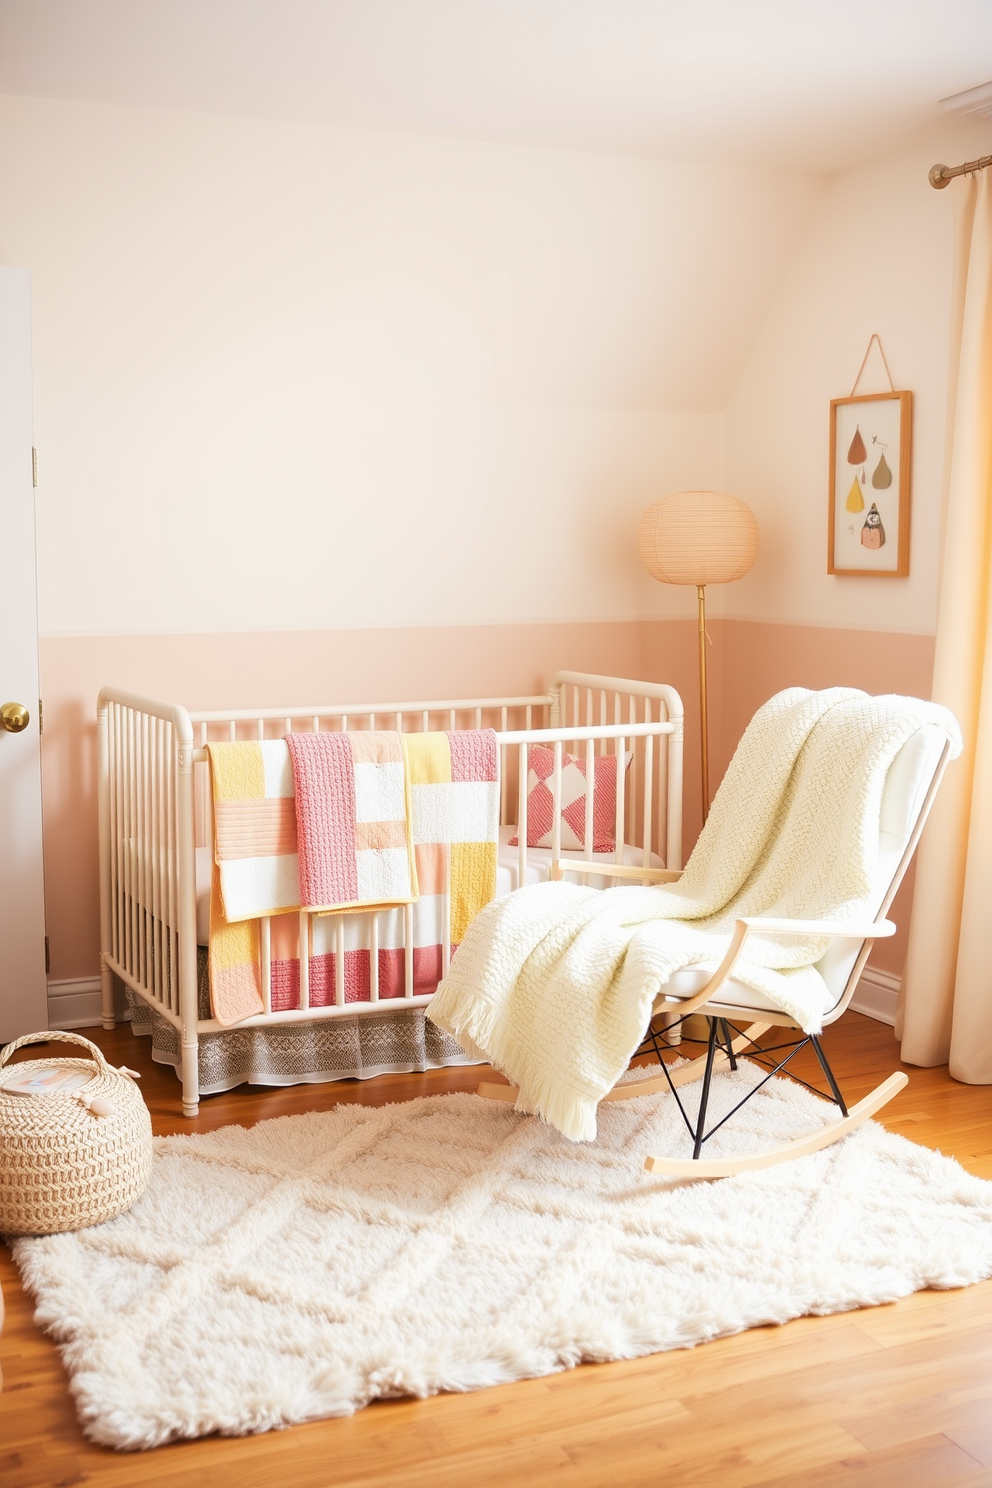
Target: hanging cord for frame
[874,337]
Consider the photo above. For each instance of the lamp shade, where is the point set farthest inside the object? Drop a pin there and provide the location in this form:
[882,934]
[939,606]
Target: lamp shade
[698,537]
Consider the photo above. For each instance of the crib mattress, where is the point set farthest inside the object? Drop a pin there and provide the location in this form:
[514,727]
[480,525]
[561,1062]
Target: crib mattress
[507,874]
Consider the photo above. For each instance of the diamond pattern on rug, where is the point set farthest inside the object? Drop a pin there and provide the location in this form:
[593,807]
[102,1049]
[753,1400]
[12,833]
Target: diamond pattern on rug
[311,1264]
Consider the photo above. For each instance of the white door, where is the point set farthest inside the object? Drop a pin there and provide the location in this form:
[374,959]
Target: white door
[23,987]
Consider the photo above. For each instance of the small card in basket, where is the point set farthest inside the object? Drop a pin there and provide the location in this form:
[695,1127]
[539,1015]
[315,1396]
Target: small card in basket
[44,1080]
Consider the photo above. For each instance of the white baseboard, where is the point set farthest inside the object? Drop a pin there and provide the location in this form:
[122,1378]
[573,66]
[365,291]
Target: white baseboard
[877,995]
[78,1003]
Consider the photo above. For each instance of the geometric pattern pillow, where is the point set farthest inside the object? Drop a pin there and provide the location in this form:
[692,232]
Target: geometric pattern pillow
[540,802]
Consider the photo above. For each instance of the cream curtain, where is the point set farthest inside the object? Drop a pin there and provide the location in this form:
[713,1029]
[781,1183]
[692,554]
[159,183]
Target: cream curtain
[946,1014]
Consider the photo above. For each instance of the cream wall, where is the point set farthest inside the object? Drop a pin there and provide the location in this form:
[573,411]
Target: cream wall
[294,377]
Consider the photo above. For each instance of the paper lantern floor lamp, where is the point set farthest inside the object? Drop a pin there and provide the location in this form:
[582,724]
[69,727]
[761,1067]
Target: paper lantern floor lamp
[699,537]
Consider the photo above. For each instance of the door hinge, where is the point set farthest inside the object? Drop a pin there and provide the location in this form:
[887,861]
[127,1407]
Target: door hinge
[41,717]
[48,957]
[34,466]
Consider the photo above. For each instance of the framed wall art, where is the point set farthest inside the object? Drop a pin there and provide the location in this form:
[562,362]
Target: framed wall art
[870,453]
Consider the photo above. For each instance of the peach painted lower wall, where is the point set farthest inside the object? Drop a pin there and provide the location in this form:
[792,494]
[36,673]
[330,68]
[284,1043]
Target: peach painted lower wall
[748,663]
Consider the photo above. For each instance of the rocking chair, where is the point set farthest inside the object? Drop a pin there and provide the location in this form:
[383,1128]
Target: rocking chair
[712,990]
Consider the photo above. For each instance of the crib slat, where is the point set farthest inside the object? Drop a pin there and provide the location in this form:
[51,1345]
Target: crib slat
[339,961]
[202,778]
[119,834]
[134,884]
[155,731]
[145,865]
[114,826]
[147,770]
[171,793]
[408,949]
[142,848]
[446,914]
[503,787]
[147,730]
[556,807]
[304,959]
[621,748]
[265,927]
[373,958]
[132,833]
[134,948]
[165,870]
[590,798]
[648,787]
[632,774]
[522,816]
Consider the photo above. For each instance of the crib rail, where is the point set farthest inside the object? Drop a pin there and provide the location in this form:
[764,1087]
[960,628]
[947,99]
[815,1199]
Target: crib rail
[155,808]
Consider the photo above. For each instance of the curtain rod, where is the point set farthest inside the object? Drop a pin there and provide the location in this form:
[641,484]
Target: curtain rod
[941,174]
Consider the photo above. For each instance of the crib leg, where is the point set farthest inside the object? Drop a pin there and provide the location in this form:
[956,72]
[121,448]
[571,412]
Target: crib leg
[190,1072]
[107,993]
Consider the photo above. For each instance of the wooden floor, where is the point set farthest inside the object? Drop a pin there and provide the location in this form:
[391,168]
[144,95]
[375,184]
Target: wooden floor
[898,1395]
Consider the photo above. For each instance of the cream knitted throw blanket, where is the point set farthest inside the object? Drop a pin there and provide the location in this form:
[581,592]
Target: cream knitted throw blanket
[554,985]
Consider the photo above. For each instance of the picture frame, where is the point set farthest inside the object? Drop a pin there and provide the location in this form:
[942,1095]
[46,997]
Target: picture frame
[871,439]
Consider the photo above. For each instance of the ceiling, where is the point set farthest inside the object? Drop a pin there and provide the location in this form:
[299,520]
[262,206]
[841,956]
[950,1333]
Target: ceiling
[813,85]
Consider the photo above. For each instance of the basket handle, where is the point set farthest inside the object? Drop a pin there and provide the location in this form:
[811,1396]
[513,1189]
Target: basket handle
[58,1036]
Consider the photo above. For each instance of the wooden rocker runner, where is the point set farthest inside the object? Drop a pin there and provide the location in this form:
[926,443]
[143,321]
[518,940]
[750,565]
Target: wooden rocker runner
[738,1016]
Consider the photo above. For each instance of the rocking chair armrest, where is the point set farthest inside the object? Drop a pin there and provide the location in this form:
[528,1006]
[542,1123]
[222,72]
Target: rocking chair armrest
[849,929]
[751,924]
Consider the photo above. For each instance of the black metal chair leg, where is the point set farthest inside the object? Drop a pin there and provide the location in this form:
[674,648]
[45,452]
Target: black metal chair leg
[728,1043]
[824,1065]
[704,1094]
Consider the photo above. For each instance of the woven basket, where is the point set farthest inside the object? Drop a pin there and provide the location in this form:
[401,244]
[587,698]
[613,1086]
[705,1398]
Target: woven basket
[62,1166]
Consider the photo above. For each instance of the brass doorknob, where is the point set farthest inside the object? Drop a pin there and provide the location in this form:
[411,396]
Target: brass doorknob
[14,717]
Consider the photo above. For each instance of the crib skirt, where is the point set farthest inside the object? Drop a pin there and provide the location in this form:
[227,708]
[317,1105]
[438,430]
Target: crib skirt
[396,1041]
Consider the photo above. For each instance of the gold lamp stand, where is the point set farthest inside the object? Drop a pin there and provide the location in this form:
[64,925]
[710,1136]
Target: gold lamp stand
[699,537]
[704,737]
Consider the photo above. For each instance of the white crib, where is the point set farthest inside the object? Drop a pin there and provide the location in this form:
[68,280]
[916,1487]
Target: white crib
[156,831]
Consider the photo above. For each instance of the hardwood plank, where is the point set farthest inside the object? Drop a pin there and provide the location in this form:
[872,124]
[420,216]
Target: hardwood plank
[626,1401]
[712,1452]
[928,1315]
[963,1415]
[925,1464]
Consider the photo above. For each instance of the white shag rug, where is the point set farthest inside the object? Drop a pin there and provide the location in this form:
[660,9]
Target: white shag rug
[306,1266]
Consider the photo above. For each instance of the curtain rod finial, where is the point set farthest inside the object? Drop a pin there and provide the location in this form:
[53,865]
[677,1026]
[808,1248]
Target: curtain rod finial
[939,176]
